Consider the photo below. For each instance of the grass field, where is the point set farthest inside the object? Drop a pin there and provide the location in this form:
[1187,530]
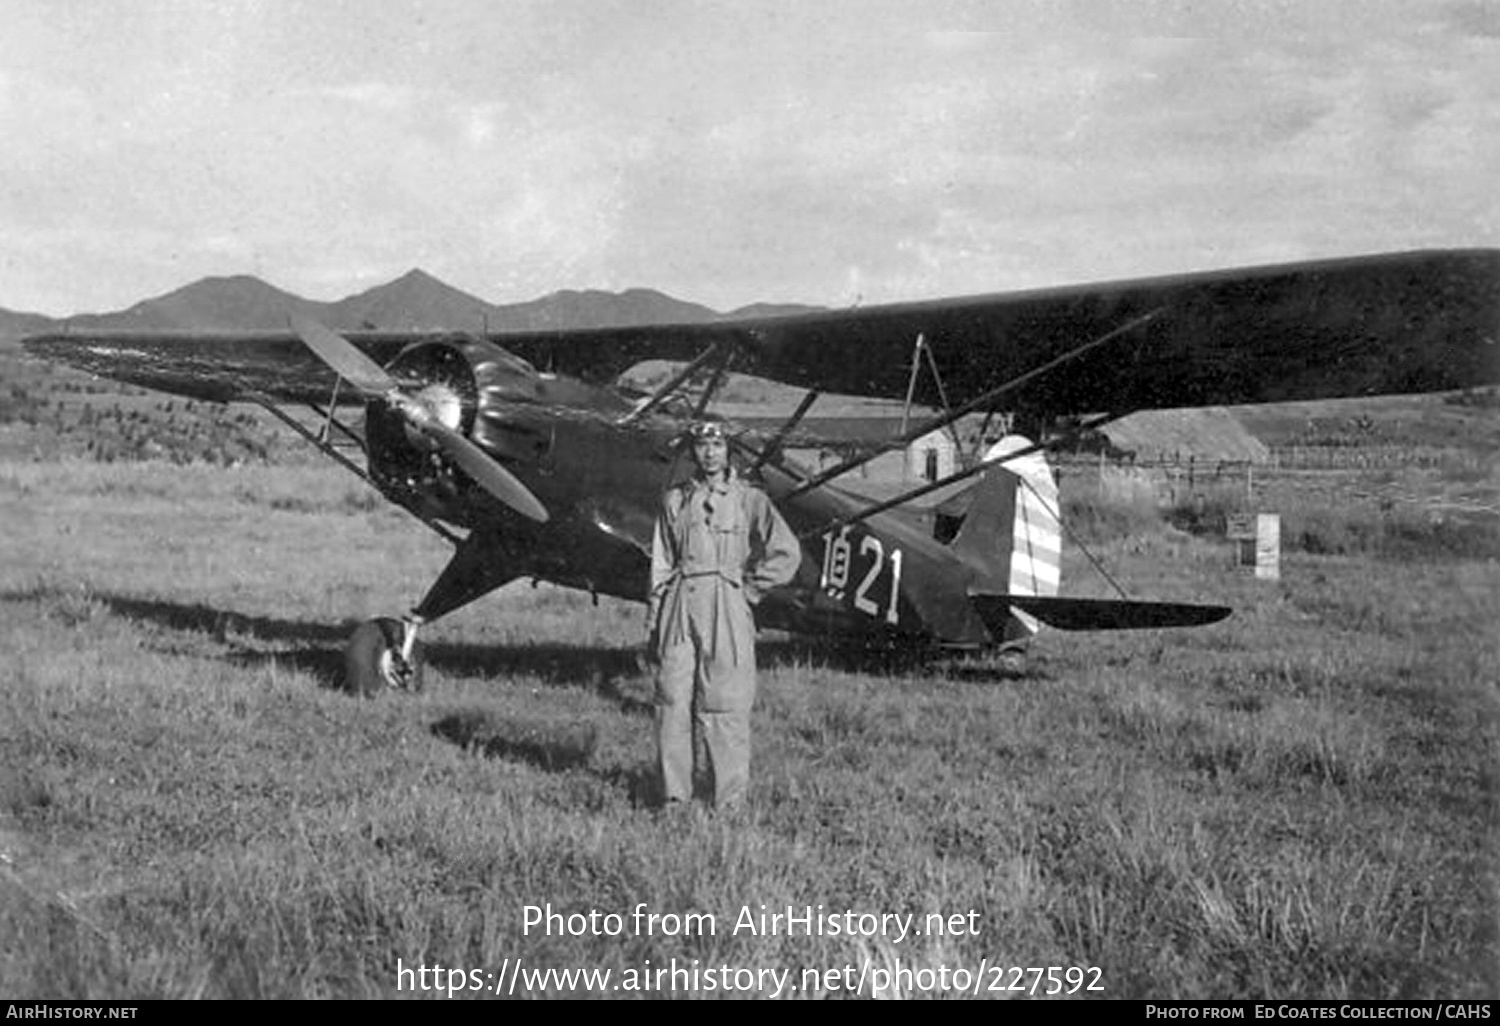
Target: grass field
[1299,802]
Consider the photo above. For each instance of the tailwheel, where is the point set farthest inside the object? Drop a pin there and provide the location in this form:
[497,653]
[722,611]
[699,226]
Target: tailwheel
[382,654]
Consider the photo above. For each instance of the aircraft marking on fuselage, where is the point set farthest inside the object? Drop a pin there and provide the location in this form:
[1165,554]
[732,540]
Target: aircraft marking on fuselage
[839,557]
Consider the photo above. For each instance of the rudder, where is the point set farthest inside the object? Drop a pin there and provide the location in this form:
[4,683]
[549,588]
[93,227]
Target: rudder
[1011,532]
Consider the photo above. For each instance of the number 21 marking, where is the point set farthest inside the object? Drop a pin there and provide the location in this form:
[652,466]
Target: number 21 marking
[836,573]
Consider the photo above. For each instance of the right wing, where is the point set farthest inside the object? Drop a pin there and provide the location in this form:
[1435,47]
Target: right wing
[217,367]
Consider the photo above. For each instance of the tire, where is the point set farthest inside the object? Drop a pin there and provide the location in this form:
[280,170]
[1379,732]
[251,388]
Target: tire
[372,660]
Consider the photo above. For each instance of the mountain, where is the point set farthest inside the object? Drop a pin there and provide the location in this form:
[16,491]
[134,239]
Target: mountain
[595,309]
[15,325]
[772,310]
[416,301]
[238,303]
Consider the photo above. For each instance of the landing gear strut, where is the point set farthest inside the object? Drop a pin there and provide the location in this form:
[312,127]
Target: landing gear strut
[382,654]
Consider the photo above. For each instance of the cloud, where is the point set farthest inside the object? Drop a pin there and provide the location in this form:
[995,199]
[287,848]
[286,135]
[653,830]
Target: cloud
[733,154]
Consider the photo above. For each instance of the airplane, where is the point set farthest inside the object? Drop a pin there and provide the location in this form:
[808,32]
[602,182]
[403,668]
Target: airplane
[524,451]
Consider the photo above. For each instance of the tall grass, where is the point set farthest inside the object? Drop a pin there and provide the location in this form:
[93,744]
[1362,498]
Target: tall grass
[1296,803]
[1386,531]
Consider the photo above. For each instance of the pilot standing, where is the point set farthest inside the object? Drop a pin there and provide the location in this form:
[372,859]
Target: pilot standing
[719,545]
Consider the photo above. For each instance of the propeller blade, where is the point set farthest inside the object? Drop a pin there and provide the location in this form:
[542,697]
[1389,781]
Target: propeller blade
[341,355]
[369,377]
[491,476]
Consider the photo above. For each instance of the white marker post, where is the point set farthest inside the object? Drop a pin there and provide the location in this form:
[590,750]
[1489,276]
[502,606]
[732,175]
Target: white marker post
[1268,546]
[1257,539]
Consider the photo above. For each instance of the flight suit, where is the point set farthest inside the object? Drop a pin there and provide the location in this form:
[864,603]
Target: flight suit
[718,546]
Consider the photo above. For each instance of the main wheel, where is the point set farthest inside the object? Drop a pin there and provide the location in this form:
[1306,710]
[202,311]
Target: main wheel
[373,660]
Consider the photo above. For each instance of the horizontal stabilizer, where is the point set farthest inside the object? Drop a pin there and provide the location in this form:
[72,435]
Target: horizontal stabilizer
[1082,614]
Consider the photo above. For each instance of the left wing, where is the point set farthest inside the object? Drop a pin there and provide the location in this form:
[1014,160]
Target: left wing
[1405,322]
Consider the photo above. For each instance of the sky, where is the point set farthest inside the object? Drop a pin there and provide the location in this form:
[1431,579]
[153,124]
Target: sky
[730,152]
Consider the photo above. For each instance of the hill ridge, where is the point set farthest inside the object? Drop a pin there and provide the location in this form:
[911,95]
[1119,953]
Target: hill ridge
[416,300]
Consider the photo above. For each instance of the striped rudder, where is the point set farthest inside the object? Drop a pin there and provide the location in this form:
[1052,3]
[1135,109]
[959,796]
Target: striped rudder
[1036,553]
[1011,533]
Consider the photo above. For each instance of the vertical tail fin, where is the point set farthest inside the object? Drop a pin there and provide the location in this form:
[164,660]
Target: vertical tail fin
[1011,533]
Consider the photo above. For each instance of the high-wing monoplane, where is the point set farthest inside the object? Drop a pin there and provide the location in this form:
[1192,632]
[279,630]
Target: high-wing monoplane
[525,452]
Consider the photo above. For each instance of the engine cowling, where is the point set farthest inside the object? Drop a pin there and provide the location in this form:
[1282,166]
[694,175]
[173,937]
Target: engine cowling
[469,385]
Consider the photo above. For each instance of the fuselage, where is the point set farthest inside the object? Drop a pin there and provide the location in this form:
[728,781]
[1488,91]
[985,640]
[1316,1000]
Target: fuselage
[601,475]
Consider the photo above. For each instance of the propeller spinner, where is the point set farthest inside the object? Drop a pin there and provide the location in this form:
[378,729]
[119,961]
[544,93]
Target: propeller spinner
[421,415]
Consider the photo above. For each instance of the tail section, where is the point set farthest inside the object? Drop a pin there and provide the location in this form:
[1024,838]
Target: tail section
[1012,536]
[1011,532]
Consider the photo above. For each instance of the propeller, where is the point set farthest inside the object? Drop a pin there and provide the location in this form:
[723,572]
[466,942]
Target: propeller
[371,379]
[345,360]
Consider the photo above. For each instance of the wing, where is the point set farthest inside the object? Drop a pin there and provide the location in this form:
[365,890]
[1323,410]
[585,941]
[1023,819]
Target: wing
[1405,322]
[224,367]
[1396,323]
[218,367]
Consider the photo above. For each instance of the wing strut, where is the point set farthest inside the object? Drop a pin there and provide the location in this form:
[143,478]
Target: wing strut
[920,349]
[1087,425]
[665,391]
[333,402]
[937,423]
[333,422]
[773,447]
[911,380]
[327,449]
[721,369]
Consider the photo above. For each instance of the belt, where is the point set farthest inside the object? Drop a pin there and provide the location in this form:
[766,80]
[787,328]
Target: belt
[685,575]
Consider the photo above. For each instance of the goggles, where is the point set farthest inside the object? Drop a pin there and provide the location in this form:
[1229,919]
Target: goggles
[708,429]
